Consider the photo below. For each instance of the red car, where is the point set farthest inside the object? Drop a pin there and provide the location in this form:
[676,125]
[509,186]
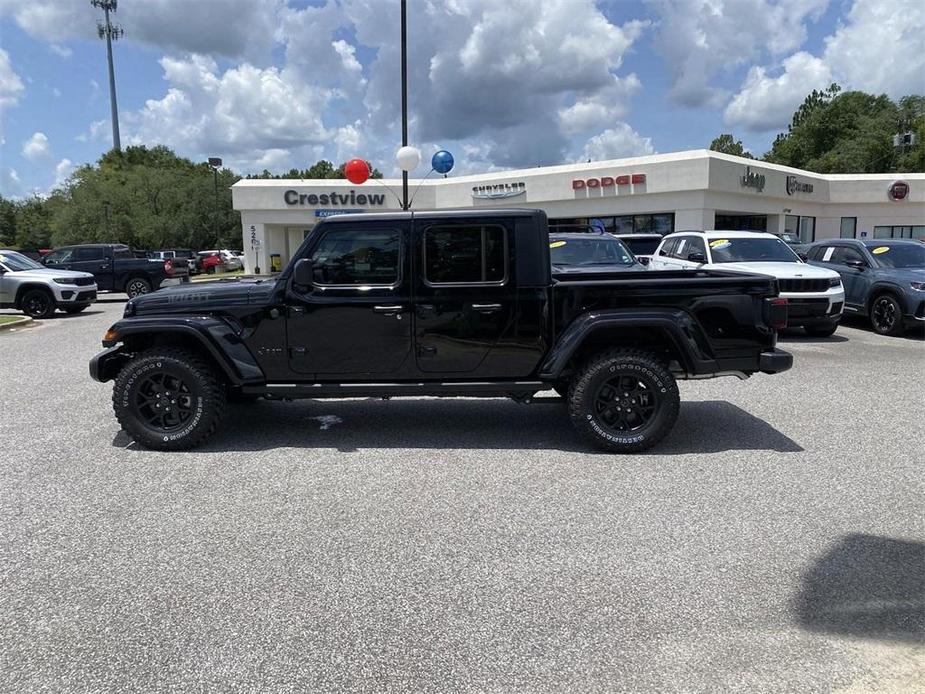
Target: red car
[211,261]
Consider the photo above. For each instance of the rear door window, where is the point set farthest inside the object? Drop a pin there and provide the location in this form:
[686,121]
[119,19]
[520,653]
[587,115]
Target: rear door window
[82,254]
[465,254]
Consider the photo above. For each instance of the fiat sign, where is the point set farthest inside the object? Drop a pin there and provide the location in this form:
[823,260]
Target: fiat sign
[899,190]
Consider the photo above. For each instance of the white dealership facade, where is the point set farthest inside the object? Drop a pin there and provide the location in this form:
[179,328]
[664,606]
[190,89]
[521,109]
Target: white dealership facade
[660,193]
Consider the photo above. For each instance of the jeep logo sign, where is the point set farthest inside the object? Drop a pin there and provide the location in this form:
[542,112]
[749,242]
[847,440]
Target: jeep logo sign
[608,181]
[750,179]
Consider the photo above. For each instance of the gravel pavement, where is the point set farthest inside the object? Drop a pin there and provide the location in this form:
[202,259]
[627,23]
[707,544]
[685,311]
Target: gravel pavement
[773,543]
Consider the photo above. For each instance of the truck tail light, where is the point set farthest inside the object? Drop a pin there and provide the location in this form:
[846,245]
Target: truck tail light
[168,266]
[776,312]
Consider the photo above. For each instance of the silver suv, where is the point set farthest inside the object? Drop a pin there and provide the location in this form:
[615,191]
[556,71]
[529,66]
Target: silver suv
[37,290]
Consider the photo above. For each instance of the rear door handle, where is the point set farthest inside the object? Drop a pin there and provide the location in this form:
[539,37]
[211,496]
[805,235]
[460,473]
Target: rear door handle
[486,308]
[388,310]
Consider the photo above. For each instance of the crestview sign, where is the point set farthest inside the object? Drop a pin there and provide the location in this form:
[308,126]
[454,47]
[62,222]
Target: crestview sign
[294,197]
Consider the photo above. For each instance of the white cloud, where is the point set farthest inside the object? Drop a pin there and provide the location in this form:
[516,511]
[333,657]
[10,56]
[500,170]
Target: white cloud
[11,86]
[600,108]
[768,103]
[60,50]
[36,147]
[700,38]
[240,114]
[63,169]
[231,28]
[615,143]
[880,49]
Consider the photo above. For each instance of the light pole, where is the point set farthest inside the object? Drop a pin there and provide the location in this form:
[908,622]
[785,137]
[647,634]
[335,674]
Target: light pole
[404,98]
[215,163]
[111,32]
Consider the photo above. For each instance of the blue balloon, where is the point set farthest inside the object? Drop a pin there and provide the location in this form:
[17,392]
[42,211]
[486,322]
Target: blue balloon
[442,161]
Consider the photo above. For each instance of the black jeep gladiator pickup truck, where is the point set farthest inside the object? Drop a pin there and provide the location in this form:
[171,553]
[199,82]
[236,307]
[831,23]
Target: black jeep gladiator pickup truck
[117,268]
[449,303]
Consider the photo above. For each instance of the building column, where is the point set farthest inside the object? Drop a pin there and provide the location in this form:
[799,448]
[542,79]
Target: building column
[256,261]
[775,224]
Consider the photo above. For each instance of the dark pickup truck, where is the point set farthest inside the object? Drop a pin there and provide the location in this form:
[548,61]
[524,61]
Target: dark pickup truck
[117,268]
[450,303]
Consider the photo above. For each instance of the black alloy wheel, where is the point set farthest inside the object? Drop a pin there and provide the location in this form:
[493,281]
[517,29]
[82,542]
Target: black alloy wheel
[168,398]
[626,403]
[38,303]
[624,400]
[886,315]
[136,287]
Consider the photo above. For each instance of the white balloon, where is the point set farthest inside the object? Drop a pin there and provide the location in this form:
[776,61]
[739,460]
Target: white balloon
[408,158]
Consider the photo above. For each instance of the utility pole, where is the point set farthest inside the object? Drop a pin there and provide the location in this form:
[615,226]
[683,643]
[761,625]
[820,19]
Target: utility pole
[215,163]
[112,32]
[404,98]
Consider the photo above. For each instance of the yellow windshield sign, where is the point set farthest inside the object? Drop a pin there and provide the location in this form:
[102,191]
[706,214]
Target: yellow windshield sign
[880,249]
[557,244]
[719,242]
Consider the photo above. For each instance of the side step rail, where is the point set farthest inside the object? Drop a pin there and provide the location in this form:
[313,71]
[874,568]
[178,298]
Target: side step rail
[519,390]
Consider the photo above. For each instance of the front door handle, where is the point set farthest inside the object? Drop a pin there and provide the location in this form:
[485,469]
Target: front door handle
[486,308]
[387,310]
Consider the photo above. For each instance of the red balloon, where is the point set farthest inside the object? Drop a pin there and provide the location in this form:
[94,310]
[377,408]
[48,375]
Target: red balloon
[357,171]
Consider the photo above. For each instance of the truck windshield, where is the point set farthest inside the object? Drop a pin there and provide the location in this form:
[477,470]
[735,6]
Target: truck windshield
[16,262]
[899,255]
[597,250]
[745,250]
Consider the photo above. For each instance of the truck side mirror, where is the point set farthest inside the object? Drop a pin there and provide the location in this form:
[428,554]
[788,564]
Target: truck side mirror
[803,256]
[699,258]
[856,264]
[643,260]
[302,274]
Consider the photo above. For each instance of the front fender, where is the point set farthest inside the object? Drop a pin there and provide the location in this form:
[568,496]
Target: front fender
[216,336]
[677,326]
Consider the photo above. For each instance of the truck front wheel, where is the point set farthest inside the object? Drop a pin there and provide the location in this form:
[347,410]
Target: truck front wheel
[168,399]
[624,401]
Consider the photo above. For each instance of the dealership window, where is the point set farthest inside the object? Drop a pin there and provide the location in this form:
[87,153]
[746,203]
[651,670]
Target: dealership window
[741,222]
[807,229]
[464,255]
[350,257]
[849,226]
[657,223]
[900,232]
[792,224]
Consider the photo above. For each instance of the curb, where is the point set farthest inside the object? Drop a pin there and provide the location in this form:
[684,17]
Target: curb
[20,321]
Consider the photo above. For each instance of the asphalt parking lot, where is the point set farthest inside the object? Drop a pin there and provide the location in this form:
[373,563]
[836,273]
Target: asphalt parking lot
[773,543]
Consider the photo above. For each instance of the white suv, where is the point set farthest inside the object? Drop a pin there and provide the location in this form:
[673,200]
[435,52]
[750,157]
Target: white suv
[815,295]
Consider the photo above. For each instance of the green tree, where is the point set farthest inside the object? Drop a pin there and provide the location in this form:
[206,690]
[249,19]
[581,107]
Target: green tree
[33,224]
[727,144]
[7,222]
[851,132]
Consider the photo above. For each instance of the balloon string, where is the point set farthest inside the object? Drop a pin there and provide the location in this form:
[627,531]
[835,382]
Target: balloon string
[388,188]
[411,201]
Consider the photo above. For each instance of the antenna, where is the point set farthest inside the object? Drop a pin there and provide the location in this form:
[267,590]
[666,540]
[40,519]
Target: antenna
[112,32]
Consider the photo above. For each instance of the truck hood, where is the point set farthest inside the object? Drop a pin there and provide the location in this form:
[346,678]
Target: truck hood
[595,269]
[781,271]
[47,273]
[201,297]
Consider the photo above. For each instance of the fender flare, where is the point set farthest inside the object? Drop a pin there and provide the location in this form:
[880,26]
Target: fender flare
[883,286]
[679,328]
[216,336]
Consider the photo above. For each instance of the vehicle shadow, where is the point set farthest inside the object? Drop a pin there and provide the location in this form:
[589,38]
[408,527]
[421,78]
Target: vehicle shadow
[348,426]
[862,323]
[867,586]
[793,335]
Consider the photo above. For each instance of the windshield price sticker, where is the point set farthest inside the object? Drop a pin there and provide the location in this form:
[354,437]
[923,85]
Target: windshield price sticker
[719,244]
[880,249]
[557,244]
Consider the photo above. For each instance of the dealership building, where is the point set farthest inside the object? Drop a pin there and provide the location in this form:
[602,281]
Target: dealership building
[660,193]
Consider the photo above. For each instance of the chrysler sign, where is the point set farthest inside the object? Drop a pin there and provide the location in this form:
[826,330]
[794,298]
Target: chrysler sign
[497,191]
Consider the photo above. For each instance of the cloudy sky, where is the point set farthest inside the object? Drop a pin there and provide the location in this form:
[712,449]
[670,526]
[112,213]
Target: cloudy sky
[500,83]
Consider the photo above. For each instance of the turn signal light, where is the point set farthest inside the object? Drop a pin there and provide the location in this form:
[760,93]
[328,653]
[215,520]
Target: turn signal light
[110,335]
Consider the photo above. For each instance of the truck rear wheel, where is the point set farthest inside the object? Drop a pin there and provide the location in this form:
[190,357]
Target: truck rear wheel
[137,286]
[168,399]
[624,401]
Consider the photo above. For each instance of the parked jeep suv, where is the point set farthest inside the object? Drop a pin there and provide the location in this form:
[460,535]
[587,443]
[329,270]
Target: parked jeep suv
[37,291]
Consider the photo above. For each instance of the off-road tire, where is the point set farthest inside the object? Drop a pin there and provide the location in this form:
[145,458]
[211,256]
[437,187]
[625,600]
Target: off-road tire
[38,304]
[204,390]
[880,323]
[821,330]
[136,286]
[75,309]
[654,381]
